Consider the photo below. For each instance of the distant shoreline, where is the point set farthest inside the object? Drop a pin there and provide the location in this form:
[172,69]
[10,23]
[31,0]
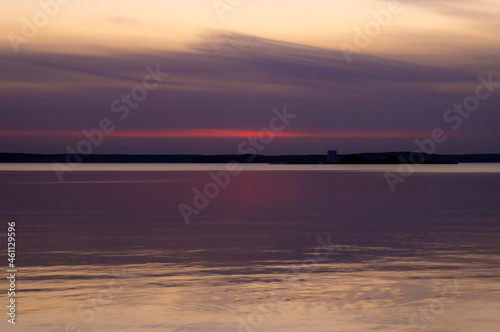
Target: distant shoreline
[361,158]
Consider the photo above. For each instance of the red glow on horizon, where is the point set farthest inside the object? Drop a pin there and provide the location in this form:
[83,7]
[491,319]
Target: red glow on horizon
[225,133]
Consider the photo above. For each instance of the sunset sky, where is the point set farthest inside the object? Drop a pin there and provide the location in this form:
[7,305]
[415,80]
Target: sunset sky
[230,66]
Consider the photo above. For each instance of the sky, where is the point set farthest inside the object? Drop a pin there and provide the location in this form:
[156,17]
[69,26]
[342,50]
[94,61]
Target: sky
[202,76]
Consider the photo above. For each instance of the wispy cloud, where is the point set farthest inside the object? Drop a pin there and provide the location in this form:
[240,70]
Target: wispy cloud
[225,60]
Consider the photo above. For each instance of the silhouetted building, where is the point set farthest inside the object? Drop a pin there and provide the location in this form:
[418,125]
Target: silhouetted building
[331,156]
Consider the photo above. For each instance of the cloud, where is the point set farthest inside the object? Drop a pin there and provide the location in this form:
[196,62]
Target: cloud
[221,61]
[481,10]
[230,81]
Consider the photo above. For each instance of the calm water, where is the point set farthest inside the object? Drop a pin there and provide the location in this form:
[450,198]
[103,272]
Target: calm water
[108,250]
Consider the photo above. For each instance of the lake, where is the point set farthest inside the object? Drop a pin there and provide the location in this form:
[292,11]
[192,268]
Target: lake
[272,248]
